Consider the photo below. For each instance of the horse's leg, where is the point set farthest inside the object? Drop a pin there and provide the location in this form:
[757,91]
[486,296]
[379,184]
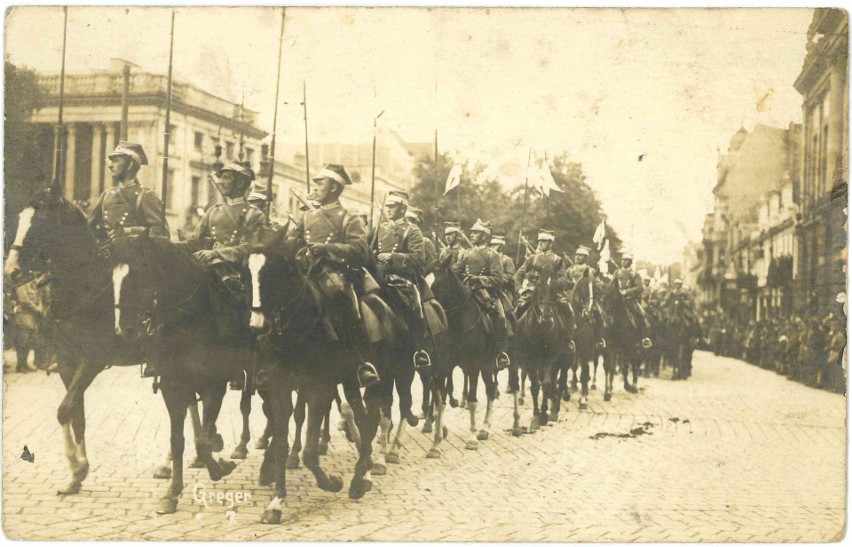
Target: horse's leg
[263,441]
[584,380]
[437,409]
[425,404]
[546,389]
[280,406]
[515,390]
[241,450]
[364,429]
[177,400]
[488,379]
[574,378]
[319,404]
[211,397]
[523,389]
[77,375]
[393,453]
[609,373]
[465,391]
[472,383]
[403,382]
[197,462]
[556,375]
[164,470]
[450,397]
[535,389]
[299,414]
[595,357]
[325,434]
[266,475]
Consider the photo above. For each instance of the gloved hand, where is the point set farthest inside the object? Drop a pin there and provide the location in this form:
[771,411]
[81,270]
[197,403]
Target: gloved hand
[319,249]
[206,257]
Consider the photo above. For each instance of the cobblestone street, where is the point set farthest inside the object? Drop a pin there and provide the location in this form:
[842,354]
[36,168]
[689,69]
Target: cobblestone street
[734,454]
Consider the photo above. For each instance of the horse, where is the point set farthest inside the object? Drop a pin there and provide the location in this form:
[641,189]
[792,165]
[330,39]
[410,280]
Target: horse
[53,238]
[544,337]
[654,354]
[626,337]
[297,355]
[471,346]
[162,300]
[680,333]
[585,300]
[396,367]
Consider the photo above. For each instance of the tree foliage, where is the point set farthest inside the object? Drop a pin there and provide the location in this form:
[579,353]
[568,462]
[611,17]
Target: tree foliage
[22,172]
[573,214]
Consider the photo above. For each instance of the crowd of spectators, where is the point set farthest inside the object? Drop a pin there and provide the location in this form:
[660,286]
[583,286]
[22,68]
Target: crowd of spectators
[810,350]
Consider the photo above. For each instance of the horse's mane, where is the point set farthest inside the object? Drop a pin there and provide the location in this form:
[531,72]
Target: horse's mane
[161,250]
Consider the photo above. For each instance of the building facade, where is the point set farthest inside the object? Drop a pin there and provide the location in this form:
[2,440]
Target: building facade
[820,230]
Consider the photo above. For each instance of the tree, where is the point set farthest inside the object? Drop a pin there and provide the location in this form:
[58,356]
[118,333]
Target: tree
[23,172]
[573,214]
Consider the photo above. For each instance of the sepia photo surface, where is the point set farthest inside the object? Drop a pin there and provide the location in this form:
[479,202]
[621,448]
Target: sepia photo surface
[425,274]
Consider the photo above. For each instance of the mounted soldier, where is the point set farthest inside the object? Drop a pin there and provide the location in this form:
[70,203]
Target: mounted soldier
[680,296]
[498,243]
[575,273]
[414,216]
[333,250]
[224,232]
[450,253]
[543,263]
[400,259]
[631,287]
[128,208]
[480,269]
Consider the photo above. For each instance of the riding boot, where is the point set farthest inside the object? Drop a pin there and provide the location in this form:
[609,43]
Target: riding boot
[149,370]
[238,380]
[367,374]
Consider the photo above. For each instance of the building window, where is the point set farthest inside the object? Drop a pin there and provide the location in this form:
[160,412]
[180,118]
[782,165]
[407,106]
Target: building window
[229,150]
[199,141]
[250,156]
[196,191]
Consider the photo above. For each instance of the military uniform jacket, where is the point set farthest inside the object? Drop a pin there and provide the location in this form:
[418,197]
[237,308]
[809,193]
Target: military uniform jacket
[333,225]
[630,282]
[483,262]
[508,270]
[453,251]
[430,255]
[678,294]
[230,226]
[404,242]
[129,205]
[577,271]
[544,264]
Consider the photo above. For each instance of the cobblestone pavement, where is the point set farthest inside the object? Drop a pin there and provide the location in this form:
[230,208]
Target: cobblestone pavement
[734,454]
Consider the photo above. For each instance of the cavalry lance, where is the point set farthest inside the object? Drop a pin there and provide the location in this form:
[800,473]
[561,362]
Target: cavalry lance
[59,138]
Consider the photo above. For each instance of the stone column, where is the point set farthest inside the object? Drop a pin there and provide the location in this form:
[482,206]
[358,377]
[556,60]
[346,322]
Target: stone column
[97,161]
[70,157]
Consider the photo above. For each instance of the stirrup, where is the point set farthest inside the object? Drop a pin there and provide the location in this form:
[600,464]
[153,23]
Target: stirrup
[502,360]
[646,343]
[421,359]
[148,370]
[370,371]
[601,343]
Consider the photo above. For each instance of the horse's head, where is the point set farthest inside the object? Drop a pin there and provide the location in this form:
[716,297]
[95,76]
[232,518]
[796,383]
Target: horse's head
[48,229]
[447,287]
[270,261]
[147,272]
[544,300]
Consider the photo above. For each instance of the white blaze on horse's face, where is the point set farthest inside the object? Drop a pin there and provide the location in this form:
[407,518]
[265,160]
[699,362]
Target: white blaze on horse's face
[255,264]
[118,274]
[25,222]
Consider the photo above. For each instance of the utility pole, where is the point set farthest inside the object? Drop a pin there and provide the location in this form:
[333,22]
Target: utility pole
[125,101]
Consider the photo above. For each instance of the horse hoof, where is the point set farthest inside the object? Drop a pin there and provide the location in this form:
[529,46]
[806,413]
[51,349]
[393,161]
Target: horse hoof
[607,397]
[427,427]
[412,420]
[472,445]
[573,388]
[517,431]
[584,406]
[218,443]
[446,432]
[392,457]
[271,516]
[71,489]
[542,419]
[196,463]
[262,443]
[357,489]
[163,472]
[463,404]
[167,506]
[379,469]
[554,418]
[81,474]
[453,403]
[227,467]
[566,396]
[334,484]
[323,448]
[434,453]
[534,424]
[292,461]
[239,453]
[521,401]
[593,387]
[482,435]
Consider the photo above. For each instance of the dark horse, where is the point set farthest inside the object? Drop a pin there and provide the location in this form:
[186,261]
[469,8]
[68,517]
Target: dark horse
[680,333]
[162,300]
[626,336]
[654,354]
[471,346]
[545,331]
[585,299]
[53,237]
[297,355]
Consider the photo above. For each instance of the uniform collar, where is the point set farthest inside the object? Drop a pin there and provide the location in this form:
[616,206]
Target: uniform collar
[235,201]
[130,184]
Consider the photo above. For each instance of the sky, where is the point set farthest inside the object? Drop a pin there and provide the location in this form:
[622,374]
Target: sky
[607,86]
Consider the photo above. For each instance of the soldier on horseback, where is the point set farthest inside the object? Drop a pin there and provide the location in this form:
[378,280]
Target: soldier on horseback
[482,272]
[450,253]
[631,287]
[414,217]
[544,263]
[681,297]
[575,273]
[128,208]
[400,256]
[224,232]
[333,251]
[498,243]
